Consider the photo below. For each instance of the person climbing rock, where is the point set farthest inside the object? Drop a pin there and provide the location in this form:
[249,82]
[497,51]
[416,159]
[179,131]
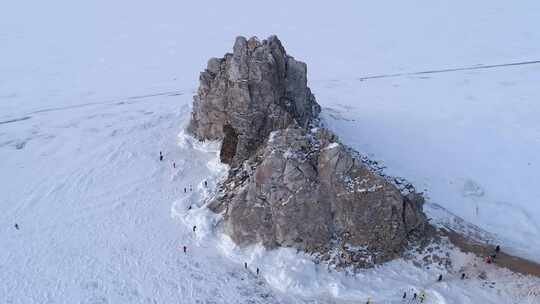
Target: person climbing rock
[185,249]
[440,278]
[160,156]
[16,226]
[194,228]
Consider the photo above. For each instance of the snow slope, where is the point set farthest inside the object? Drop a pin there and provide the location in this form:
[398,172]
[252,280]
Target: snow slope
[90,92]
[93,205]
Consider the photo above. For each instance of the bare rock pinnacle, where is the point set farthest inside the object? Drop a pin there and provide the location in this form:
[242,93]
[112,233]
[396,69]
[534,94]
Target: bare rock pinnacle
[291,182]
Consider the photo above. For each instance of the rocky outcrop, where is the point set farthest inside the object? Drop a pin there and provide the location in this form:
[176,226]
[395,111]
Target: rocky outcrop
[303,189]
[291,182]
[245,95]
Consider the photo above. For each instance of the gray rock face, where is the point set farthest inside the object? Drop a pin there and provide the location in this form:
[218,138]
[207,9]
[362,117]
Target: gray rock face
[292,184]
[248,94]
[303,189]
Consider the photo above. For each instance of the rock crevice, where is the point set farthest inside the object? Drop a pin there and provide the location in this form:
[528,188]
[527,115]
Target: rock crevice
[291,182]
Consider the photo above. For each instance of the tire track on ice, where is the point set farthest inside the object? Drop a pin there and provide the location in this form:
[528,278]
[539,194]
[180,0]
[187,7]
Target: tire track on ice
[448,70]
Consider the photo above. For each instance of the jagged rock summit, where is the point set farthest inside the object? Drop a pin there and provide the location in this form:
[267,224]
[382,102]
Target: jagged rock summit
[291,182]
[245,95]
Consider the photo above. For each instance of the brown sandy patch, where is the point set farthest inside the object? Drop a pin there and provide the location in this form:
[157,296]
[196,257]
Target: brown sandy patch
[482,250]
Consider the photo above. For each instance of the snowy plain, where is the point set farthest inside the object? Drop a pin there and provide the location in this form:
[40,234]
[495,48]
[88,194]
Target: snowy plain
[90,92]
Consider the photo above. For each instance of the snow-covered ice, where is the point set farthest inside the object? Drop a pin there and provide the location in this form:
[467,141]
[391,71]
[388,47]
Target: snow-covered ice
[471,139]
[102,220]
[90,92]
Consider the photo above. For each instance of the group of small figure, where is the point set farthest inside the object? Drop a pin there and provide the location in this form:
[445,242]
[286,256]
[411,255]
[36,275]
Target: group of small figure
[491,258]
[246,267]
[415,297]
[194,230]
[245,263]
[420,298]
[189,208]
[191,188]
[161,157]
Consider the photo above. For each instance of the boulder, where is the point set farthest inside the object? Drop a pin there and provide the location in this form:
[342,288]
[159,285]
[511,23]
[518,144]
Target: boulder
[303,189]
